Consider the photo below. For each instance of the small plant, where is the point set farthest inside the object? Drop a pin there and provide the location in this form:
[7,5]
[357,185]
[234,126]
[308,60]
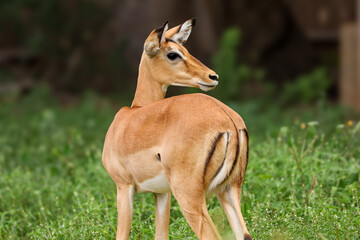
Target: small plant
[300,148]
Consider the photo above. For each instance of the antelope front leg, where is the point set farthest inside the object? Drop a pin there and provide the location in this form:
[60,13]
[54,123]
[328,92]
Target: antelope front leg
[230,202]
[125,194]
[162,215]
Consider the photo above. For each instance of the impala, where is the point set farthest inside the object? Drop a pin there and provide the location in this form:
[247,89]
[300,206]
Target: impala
[191,145]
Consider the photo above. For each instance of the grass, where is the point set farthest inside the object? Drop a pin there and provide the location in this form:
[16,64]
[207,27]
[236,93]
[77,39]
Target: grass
[53,185]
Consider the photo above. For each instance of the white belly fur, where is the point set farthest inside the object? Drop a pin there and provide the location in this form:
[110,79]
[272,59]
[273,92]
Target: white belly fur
[158,184]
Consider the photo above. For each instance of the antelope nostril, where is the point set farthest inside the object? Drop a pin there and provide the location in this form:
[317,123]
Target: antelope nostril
[213,77]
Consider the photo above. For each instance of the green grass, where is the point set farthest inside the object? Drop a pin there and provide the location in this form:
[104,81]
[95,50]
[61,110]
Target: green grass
[53,184]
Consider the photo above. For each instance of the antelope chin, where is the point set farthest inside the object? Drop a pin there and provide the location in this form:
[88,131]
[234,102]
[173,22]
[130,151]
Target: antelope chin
[206,87]
[181,85]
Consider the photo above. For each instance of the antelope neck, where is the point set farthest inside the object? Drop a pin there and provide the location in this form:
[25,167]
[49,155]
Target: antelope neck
[148,90]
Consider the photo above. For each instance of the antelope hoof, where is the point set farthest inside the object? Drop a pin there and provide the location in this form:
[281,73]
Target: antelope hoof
[247,237]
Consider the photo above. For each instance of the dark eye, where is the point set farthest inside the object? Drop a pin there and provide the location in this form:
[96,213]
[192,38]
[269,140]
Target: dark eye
[172,56]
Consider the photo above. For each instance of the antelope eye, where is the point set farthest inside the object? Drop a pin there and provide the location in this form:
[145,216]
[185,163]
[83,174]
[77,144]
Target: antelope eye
[172,56]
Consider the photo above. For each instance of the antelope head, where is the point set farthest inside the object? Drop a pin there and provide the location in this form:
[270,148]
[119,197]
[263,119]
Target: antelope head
[170,63]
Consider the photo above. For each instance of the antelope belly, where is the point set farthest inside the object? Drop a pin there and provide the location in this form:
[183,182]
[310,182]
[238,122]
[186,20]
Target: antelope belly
[158,184]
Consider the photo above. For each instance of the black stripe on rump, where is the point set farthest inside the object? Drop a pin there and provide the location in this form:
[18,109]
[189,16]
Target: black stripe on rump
[234,162]
[211,152]
[236,155]
[247,149]
[223,161]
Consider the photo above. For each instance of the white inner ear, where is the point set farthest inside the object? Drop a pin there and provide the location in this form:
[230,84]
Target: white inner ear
[184,32]
[153,47]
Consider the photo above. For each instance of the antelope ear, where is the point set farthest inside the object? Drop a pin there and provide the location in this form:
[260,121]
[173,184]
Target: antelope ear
[153,42]
[183,31]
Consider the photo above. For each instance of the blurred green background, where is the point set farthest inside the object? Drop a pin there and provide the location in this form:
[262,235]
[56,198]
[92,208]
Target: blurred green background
[288,49]
[289,68]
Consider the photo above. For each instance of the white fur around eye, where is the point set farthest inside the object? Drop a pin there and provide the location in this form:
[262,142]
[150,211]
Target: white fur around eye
[177,52]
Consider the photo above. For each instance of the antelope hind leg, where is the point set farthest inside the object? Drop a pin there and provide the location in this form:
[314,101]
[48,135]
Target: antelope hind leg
[230,202]
[196,214]
[192,203]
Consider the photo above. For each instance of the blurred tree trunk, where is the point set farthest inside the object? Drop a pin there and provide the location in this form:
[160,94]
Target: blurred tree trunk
[349,66]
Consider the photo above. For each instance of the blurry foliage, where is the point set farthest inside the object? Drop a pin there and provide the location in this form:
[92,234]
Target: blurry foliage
[306,88]
[239,81]
[234,77]
[225,62]
[64,42]
[46,25]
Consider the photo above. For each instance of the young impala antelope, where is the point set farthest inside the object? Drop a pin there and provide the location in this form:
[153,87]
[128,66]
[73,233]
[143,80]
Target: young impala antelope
[191,145]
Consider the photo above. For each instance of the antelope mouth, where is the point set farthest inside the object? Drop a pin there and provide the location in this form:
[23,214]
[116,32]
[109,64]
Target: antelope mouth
[206,86]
